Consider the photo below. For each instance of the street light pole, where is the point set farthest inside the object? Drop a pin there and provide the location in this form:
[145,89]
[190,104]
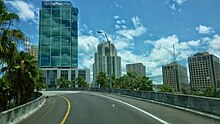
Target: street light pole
[110,76]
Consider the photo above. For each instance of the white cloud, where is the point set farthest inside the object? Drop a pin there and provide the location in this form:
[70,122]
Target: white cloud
[130,33]
[122,43]
[118,6]
[136,21]
[120,21]
[124,27]
[116,17]
[87,44]
[204,29]
[117,27]
[214,45]
[162,53]
[180,2]
[26,11]
[172,6]
[175,4]
[194,43]
[138,29]
[120,24]
[215,42]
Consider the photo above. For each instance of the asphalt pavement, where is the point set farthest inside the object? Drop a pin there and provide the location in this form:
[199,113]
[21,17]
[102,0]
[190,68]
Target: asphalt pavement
[99,108]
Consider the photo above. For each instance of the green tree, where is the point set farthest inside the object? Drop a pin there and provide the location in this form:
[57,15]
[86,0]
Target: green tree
[63,83]
[209,92]
[145,83]
[217,93]
[166,88]
[131,80]
[4,94]
[81,82]
[23,76]
[113,79]
[102,80]
[120,83]
[40,81]
[9,35]
[21,72]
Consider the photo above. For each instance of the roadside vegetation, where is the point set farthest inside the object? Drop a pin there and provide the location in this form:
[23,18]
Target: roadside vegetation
[166,88]
[78,82]
[130,81]
[209,92]
[20,72]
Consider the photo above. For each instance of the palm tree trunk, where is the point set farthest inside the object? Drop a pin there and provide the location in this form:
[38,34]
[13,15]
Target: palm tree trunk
[19,97]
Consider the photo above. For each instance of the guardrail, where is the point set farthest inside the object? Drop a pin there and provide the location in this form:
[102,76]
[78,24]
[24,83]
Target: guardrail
[203,104]
[207,105]
[16,114]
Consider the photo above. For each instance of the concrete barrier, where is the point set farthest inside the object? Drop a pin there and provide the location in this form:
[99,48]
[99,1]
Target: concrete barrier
[16,114]
[203,104]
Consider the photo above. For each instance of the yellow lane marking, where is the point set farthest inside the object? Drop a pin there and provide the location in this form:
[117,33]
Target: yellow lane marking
[68,111]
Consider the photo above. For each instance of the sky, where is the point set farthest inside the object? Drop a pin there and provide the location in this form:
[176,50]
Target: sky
[142,30]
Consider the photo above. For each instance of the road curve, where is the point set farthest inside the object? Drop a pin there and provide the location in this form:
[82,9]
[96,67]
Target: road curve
[96,108]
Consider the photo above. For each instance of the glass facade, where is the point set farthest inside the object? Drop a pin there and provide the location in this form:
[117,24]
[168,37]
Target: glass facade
[50,77]
[64,74]
[58,35]
[82,73]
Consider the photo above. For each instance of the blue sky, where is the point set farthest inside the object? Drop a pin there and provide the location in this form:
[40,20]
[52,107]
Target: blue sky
[142,30]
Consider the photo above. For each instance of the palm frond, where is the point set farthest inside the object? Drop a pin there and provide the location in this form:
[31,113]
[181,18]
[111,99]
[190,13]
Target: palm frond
[7,19]
[16,35]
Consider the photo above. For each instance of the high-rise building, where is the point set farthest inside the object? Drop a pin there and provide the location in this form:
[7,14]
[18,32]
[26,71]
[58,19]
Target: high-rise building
[137,68]
[175,76]
[34,51]
[204,69]
[58,35]
[58,42]
[106,60]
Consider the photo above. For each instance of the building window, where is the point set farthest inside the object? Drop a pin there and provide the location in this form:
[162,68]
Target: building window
[64,74]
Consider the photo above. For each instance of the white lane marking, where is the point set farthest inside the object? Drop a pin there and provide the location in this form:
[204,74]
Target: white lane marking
[149,114]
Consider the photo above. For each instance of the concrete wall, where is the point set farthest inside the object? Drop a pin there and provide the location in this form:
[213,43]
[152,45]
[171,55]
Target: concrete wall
[203,104]
[15,114]
[198,103]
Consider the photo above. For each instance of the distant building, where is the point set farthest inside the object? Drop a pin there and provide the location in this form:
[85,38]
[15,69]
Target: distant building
[137,68]
[175,75]
[204,69]
[34,51]
[52,74]
[106,60]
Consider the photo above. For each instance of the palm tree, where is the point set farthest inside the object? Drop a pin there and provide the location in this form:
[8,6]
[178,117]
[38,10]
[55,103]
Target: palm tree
[4,94]
[132,81]
[63,83]
[20,69]
[81,82]
[102,80]
[145,83]
[23,76]
[166,88]
[9,34]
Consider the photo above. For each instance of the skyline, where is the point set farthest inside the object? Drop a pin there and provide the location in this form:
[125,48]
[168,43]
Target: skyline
[140,35]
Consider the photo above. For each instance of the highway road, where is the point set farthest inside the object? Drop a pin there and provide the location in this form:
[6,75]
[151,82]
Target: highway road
[98,108]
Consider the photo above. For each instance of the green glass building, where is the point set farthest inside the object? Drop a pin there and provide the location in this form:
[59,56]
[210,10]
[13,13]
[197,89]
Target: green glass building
[58,35]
